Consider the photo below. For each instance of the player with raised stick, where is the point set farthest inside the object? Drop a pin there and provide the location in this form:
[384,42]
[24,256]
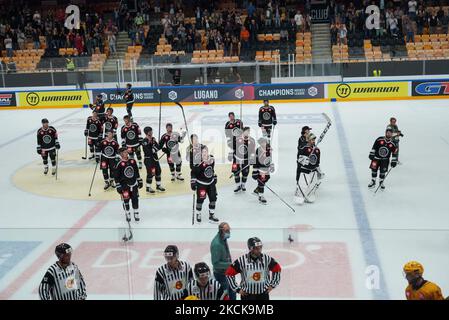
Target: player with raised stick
[169,144]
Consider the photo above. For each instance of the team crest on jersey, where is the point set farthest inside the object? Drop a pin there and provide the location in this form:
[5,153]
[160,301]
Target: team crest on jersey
[266,116]
[209,172]
[47,139]
[92,127]
[108,126]
[242,149]
[267,161]
[236,132]
[178,285]
[256,276]
[129,172]
[131,135]
[383,152]
[172,145]
[313,159]
[109,151]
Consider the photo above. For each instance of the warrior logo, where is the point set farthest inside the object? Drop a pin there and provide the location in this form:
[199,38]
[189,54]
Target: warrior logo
[109,151]
[383,152]
[47,139]
[209,172]
[131,135]
[129,172]
[266,116]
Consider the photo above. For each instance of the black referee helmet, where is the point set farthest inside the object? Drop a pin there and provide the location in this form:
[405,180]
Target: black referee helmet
[254,242]
[201,269]
[171,251]
[62,249]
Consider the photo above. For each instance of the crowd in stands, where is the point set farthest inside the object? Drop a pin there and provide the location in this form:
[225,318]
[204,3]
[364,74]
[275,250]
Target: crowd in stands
[397,19]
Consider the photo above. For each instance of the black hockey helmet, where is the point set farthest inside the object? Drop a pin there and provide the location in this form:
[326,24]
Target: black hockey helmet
[62,249]
[45,120]
[110,109]
[100,96]
[254,242]
[201,269]
[128,85]
[171,251]
[147,129]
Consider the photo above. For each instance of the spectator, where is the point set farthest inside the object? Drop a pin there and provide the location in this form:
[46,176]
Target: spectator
[277,17]
[268,15]
[250,10]
[334,34]
[112,42]
[235,46]
[21,40]
[221,257]
[299,20]
[412,9]
[392,23]
[36,40]
[79,45]
[444,23]
[244,37]
[8,45]
[342,35]
[190,41]
[420,20]
[433,23]
[410,34]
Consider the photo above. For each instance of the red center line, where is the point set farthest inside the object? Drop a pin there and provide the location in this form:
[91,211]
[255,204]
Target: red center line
[13,287]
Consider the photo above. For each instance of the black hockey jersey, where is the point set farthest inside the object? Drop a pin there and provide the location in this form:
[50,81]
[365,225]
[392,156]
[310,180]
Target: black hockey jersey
[383,148]
[150,148]
[309,158]
[171,141]
[193,154]
[130,135]
[95,128]
[244,149]
[263,160]
[212,291]
[301,143]
[109,149]
[267,116]
[47,139]
[98,106]
[129,96]
[233,129]
[204,173]
[126,173]
[110,123]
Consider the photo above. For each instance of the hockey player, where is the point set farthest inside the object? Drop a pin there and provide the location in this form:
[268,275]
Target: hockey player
[255,268]
[204,287]
[47,144]
[267,118]
[193,151]
[233,129]
[169,144]
[172,278]
[63,280]
[383,148]
[262,167]
[203,181]
[418,288]
[131,139]
[396,134]
[109,148]
[302,141]
[93,132]
[129,99]
[151,160]
[110,122]
[308,171]
[98,106]
[128,182]
[244,153]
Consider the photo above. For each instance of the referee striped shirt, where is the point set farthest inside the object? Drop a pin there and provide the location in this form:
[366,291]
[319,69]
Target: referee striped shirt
[62,283]
[212,291]
[171,282]
[255,273]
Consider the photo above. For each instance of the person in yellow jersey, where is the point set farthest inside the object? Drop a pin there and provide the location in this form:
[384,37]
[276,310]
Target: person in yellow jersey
[418,288]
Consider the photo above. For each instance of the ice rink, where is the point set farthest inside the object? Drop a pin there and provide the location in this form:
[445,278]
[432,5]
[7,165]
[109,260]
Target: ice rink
[349,244]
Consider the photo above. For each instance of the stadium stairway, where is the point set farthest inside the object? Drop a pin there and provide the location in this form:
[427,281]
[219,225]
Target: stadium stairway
[321,43]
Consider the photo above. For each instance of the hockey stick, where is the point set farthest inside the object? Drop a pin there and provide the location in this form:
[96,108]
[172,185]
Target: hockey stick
[277,195]
[85,150]
[93,178]
[382,181]
[193,209]
[185,121]
[241,98]
[160,112]
[57,159]
[125,238]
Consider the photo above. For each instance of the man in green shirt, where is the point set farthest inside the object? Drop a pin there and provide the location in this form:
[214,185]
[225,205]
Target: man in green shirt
[221,257]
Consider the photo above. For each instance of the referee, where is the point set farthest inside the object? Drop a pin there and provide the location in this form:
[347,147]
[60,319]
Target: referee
[63,280]
[204,287]
[255,268]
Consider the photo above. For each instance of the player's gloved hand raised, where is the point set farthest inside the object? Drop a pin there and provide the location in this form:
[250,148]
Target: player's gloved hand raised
[401,135]
[394,163]
[57,145]
[86,132]
[371,156]
[39,150]
[123,144]
[193,184]
[140,183]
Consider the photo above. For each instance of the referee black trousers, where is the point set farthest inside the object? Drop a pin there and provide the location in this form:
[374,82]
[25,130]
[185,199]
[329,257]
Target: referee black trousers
[263,296]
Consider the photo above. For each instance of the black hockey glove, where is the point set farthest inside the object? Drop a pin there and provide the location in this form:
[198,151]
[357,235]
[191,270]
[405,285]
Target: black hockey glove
[91,106]
[394,163]
[39,150]
[97,159]
[119,188]
[140,140]
[57,145]
[193,184]
[86,132]
[215,179]
[123,144]
[401,135]
[371,156]
[260,124]
[140,183]
[255,174]
[275,122]
[166,150]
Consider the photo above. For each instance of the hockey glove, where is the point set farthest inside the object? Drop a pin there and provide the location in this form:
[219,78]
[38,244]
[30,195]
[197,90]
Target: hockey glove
[401,135]
[119,188]
[97,159]
[272,168]
[193,184]
[86,132]
[260,124]
[123,144]
[255,174]
[166,150]
[57,145]
[371,156]
[91,106]
[140,183]
[394,163]
[140,140]
[39,150]
[215,179]
[275,122]
[303,160]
